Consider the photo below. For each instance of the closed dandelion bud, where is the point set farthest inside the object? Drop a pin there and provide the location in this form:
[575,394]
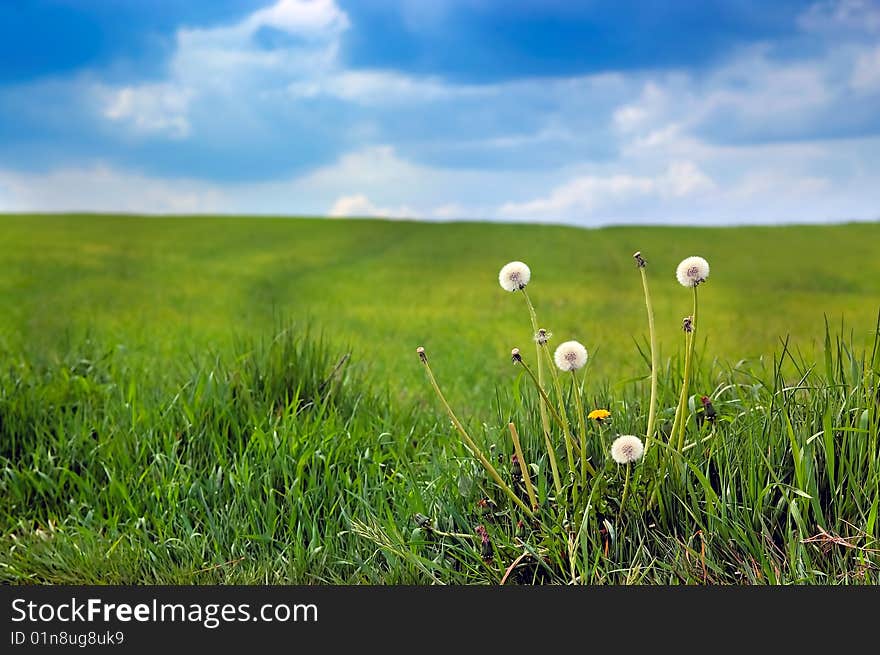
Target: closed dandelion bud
[709,410]
[486,550]
[687,324]
[422,521]
[515,472]
[640,261]
[515,357]
[422,355]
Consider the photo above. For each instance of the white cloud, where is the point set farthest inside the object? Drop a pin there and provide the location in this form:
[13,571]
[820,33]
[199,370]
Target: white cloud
[359,205]
[866,74]
[377,181]
[226,66]
[634,116]
[302,17]
[149,108]
[684,178]
[372,168]
[834,16]
[752,97]
[370,87]
[587,196]
[773,182]
[104,189]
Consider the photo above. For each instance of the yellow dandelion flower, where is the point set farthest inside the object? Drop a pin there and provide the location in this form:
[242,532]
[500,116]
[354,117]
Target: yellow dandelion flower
[599,414]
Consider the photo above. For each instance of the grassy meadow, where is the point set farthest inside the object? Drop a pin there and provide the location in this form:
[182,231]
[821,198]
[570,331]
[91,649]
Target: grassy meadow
[238,400]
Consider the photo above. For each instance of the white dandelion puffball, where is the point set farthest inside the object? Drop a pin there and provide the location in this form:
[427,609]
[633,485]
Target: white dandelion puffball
[692,271]
[514,276]
[570,356]
[627,449]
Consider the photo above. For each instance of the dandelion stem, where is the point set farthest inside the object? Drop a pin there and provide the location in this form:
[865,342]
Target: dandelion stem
[523,467]
[553,412]
[565,426]
[471,444]
[554,467]
[652,410]
[579,404]
[688,363]
[674,430]
[625,491]
[545,420]
[566,431]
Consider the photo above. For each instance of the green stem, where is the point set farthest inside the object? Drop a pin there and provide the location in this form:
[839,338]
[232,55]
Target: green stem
[579,403]
[542,393]
[557,385]
[545,420]
[688,362]
[625,490]
[472,445]
[523,467]
[652,410]
[554,467]
[674,430]
[565,429]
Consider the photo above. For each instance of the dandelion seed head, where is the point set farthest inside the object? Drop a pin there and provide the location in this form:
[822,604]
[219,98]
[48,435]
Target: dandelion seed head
[514,276]
[627,449]
[542,336]
[570,356]
[692,271]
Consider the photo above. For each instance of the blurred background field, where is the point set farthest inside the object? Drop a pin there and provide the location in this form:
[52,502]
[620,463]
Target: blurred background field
[165,287]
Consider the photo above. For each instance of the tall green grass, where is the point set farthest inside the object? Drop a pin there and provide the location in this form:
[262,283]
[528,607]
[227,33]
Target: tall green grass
[276,463]
[783,487]
[228,467]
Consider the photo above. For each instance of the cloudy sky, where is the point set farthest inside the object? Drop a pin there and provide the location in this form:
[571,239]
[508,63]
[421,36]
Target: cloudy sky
[523,110]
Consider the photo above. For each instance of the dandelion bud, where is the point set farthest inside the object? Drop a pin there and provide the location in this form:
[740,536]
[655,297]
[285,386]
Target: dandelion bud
[627,449]
[692,271]
[542,336]
[422,355]
[515,357]
[486,550]
[570,356]
[640,261]
[708,409]
[687,324]
[514,276]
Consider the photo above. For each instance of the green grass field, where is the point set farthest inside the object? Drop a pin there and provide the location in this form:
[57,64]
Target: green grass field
[171,409]
[161,286]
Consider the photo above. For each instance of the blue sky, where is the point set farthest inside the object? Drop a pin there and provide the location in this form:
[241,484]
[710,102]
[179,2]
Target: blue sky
[697,112]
